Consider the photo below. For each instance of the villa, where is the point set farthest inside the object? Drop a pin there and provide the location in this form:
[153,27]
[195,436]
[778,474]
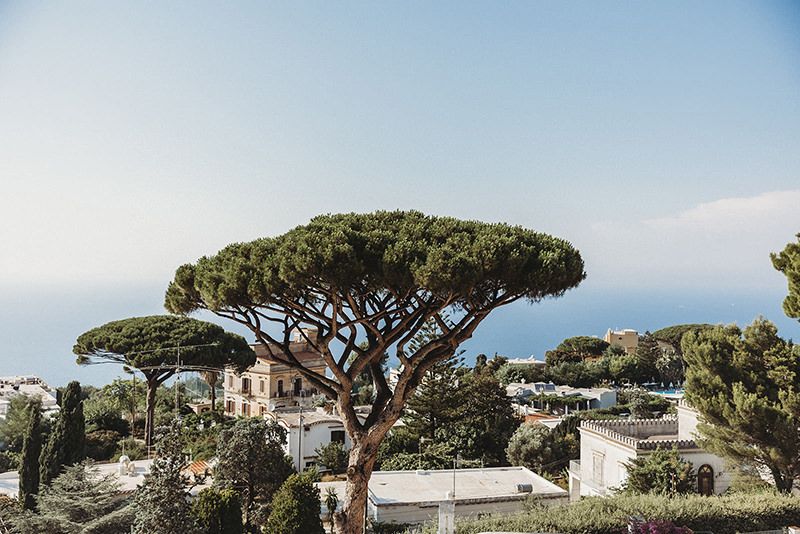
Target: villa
[271,384]
[607,446]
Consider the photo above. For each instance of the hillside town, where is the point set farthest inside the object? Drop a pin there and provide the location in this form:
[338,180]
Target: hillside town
[606,417]
[400,267]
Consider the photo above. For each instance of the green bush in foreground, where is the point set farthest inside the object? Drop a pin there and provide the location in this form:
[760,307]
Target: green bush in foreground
[721,515]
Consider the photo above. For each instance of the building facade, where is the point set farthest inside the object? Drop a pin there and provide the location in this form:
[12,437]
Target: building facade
[627,339]
[306,431]
[607,446]
[269,384]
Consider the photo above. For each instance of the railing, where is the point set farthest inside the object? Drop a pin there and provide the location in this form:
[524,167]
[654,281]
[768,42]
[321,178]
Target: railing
[289,394]
[575,466]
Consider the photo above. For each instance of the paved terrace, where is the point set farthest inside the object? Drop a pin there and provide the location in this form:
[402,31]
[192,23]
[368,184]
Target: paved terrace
[641,434]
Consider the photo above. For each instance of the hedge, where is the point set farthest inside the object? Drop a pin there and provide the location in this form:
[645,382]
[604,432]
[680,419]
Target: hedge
[720,515]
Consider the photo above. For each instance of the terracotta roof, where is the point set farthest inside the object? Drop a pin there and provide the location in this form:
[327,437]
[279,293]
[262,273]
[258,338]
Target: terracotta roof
[199,467]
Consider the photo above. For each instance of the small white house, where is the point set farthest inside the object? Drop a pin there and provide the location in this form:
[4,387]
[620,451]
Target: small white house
[413,497]
[308,430]
[607,446]
[585,398]
[29,386]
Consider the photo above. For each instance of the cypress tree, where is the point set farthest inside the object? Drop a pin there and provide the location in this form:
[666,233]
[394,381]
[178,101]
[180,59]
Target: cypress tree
[67,442]
[31,449]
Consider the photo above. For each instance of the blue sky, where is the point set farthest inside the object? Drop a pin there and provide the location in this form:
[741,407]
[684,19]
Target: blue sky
[662,139]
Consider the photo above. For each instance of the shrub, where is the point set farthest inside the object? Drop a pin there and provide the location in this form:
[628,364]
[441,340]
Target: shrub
[663,471]
[132,448]
[333,456]
[296,507]
[597,515]
[101,444]
[218,511]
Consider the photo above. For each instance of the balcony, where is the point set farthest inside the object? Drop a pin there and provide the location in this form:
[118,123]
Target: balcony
[303,393]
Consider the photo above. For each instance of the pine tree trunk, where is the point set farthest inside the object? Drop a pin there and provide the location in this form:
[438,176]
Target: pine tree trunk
[783,482]
[150,410]
[351,520]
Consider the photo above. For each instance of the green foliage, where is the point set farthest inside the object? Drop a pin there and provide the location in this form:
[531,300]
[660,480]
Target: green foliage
[532,446]
[670,367]
[132,448]
[153,340]
[331,500]
[333,456]
[201,433]
[609,515]
[160,504]
[576,349]
[9,461]
[434,456]
[31,450]
[637,401]
[438,401]
[399,251]
[788,262]
[674,334]
[150,344]
[547,451]
[296,508]
[251,461]
[218,511]
[746,387]
[102,444]
[66,444]
[485,420]
[647,354]
[663,471]
[15,425]
[578,374]
[377,277]
[79,501]
[528,374]
[115,405]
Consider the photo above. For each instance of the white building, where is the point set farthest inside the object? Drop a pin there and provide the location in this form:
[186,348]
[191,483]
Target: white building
[531,361]
[585,398]
[607,446]
[413,497]
[318,428]
[29,386]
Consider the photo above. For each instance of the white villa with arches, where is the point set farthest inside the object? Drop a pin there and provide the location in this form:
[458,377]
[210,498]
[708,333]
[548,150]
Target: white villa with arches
[606,446]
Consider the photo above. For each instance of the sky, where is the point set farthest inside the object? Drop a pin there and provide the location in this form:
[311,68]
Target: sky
[661,138]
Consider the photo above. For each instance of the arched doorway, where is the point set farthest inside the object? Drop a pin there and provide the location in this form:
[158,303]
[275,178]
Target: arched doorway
[705,480]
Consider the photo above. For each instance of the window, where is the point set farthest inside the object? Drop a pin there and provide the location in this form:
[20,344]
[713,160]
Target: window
[261,386]
[280,388]
[230,381]
[597,468]
[245,385]
[337,436]
[298,385]
[245,409]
